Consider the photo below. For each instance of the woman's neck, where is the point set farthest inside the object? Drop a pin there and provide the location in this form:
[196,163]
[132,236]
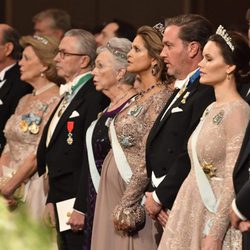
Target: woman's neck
[39,83]
[147,80]
[226,92]
[119,94]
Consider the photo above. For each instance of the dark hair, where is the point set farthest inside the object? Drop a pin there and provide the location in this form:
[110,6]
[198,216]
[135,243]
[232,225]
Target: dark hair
[240,56]
[125,30]
[192,28]
[10,35]
[153,43]
[60,18]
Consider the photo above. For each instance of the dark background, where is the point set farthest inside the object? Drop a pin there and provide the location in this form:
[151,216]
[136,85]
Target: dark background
[88,13]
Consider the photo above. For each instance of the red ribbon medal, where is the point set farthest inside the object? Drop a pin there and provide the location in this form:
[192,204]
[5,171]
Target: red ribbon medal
[70,127]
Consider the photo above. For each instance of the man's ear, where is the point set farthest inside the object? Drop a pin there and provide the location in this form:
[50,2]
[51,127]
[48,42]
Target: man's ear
[85,62]
[8,48]
[193,49]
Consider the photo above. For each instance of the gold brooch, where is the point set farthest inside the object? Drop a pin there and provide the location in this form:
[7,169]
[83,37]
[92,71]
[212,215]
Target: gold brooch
[209,169]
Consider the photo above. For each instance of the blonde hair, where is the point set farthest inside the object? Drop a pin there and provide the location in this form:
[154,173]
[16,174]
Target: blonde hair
[45,48]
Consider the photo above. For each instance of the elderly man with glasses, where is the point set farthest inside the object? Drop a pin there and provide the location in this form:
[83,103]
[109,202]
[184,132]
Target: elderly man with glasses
[61,150]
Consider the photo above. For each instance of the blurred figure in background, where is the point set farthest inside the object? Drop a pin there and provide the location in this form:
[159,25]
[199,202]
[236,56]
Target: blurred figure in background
[11,87]
[115,28]
[52,22]
[24,129]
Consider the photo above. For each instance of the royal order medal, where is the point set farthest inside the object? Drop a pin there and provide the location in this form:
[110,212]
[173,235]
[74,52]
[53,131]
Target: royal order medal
[69,139]
[70,127]
[24,125]
[34,128]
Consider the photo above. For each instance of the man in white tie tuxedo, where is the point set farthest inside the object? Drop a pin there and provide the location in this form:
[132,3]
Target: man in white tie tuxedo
[61,151]
[11,87]
[167,158]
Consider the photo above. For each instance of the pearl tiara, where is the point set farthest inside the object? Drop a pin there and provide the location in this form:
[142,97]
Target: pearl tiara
[223,33]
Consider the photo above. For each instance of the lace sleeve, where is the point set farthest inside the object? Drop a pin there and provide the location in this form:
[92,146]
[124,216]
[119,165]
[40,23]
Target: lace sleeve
[234,125]
[125,212]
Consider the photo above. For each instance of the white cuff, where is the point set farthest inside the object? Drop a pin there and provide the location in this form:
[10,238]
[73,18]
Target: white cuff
[79,212]
[237,212]
[156,199]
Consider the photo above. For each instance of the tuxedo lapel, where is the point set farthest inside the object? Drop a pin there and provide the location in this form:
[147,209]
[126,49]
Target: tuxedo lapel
[77,100]
[4,90]
[160,122]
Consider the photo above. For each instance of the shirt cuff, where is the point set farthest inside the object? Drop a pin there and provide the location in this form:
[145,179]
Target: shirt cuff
[237,212]
[79,212]
[155,197]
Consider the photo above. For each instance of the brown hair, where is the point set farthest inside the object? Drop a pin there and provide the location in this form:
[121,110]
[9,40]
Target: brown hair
[153,43]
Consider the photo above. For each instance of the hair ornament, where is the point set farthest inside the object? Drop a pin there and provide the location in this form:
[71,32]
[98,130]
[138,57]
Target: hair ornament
[223,33]
[160,28]
[41,39]
[116,51]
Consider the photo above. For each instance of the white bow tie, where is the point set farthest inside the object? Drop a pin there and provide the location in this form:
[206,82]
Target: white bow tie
[65,88]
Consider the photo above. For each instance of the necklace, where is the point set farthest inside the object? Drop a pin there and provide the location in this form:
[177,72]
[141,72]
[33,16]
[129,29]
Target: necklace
[43,89]
[143,92]
[119,99]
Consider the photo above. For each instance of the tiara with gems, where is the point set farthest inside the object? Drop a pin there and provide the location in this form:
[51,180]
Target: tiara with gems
[41,39]
[223,33]
[116,51]
[160,28]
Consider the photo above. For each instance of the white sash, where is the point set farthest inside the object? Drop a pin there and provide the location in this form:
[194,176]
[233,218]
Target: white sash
[206,191]
[95,176]
[120,158]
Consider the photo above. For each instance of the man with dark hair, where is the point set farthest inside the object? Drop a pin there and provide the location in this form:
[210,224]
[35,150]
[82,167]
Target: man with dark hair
[115,28]
[167,158]
[11,87]
[52,22]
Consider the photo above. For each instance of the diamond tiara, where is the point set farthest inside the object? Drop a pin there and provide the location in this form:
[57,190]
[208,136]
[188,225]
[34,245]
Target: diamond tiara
[160,28]
[223,33]
[116,51]
[41,39]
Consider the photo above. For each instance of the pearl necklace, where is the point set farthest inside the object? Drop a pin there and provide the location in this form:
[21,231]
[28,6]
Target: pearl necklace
[43,89]
[143,92]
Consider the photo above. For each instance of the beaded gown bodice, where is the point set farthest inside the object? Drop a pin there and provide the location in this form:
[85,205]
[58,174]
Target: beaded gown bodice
[217,148]
[21,141]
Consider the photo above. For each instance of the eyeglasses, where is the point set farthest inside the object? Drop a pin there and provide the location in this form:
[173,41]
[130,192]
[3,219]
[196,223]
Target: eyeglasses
[63,54]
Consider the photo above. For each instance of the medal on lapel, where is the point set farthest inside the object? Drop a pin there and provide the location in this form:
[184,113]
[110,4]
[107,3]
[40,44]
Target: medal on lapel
[34,128]
[184,99]
[70,127]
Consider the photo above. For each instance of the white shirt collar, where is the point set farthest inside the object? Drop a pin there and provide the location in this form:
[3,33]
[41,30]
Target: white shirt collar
[67,86]
[179,84]
[2,73]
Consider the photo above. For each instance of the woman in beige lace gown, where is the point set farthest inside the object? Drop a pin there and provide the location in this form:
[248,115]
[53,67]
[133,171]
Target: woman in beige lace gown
[116,201]
[24,128]
[199,220]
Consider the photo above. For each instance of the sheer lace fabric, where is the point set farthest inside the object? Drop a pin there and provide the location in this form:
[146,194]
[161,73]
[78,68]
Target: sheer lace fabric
[218,144]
